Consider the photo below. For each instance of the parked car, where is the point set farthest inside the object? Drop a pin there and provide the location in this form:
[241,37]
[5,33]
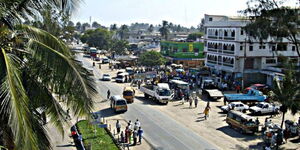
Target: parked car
[106,77]
[261,87]
[97,59]
[239,106]
[105,61]
[264,108]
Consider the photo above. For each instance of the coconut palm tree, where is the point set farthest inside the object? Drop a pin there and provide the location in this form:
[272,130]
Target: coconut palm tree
[38,73]
[287,93]
[164,30]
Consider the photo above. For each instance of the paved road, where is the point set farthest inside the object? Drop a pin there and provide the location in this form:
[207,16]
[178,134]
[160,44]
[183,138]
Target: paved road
[163,132]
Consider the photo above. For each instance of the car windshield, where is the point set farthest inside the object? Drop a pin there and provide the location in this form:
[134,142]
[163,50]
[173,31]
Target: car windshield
[119,76]
[121,102]
[105,75]
[127,93]
[260,105]
[164,92]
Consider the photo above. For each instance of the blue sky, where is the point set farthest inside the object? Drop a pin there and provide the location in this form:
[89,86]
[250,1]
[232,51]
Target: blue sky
[184,12]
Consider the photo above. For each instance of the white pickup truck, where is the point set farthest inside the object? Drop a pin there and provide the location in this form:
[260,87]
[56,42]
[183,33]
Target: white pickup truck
[160,92]
[264,108]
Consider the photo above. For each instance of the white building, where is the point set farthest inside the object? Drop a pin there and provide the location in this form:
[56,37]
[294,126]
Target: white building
[227,46]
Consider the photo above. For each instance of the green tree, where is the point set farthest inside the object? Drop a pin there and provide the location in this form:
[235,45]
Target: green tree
[96,25]
[164,30]
[97,38]
[37,72]
[123,32]
[269,18]
[113,27]
[287,92]
[85,26]
[78,26]
[151,58]
[194,36]
[151,28]
[119,46]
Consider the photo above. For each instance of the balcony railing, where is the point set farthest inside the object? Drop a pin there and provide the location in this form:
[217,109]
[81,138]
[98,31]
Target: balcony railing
[228,51]
[229,38]
[212,61]
[227,64]
[212,50]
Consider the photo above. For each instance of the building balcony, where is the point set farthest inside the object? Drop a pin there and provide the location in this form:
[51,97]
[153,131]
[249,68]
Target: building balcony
[228,51]
[227,64]
[229,38]
[212,50]
[212,37]
[212,61]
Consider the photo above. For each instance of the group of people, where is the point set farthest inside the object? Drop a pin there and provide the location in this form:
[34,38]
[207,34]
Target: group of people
[133,132]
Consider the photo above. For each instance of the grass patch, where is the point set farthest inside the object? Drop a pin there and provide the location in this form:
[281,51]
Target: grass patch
[102,140]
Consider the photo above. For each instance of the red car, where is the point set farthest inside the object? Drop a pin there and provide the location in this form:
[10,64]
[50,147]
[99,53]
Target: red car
[261,87]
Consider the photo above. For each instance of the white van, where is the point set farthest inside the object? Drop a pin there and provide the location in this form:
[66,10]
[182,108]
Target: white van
[118,103]
[121,77]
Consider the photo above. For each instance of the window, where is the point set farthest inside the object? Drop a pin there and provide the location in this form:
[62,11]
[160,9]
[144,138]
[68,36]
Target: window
[270,61]
[184,50]
[273,48]
[216,33]
[241,48]
[250,48]
[293,48]
[262,47]
[210,19]
[225,33]
[233,33]
[242,32]
[175,49]
[196,50]
[281,47]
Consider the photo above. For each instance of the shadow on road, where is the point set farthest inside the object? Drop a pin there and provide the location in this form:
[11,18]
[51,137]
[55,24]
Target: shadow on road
[235,134]
[107,112]
[148,101]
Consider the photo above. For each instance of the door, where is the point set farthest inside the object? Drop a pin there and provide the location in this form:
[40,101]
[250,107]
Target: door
[249,63]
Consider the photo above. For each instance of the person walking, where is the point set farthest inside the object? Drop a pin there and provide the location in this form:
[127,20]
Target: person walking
[137,124]
[122,137]
[108,94]
[140,134]
[130,124]
[126,134]
[135,134]
[286,135]
[191,102]
[118,126]
[129,135]
[206,111]
[196,101]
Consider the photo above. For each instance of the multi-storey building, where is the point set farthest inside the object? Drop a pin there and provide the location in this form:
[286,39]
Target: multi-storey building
[235,55]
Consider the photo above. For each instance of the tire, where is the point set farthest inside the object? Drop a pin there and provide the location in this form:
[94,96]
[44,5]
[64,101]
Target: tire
[146,95]
[259,113]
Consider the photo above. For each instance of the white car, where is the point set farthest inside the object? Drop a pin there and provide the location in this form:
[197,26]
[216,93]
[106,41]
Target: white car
[106,77]
[238,106]
[264,108]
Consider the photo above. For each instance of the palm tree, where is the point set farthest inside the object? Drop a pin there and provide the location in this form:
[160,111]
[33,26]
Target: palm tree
[123,31]
[164,30]
[287,93]
[37,73]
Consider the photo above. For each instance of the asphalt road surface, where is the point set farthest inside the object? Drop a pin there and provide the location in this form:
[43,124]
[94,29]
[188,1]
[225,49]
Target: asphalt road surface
[161,131]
